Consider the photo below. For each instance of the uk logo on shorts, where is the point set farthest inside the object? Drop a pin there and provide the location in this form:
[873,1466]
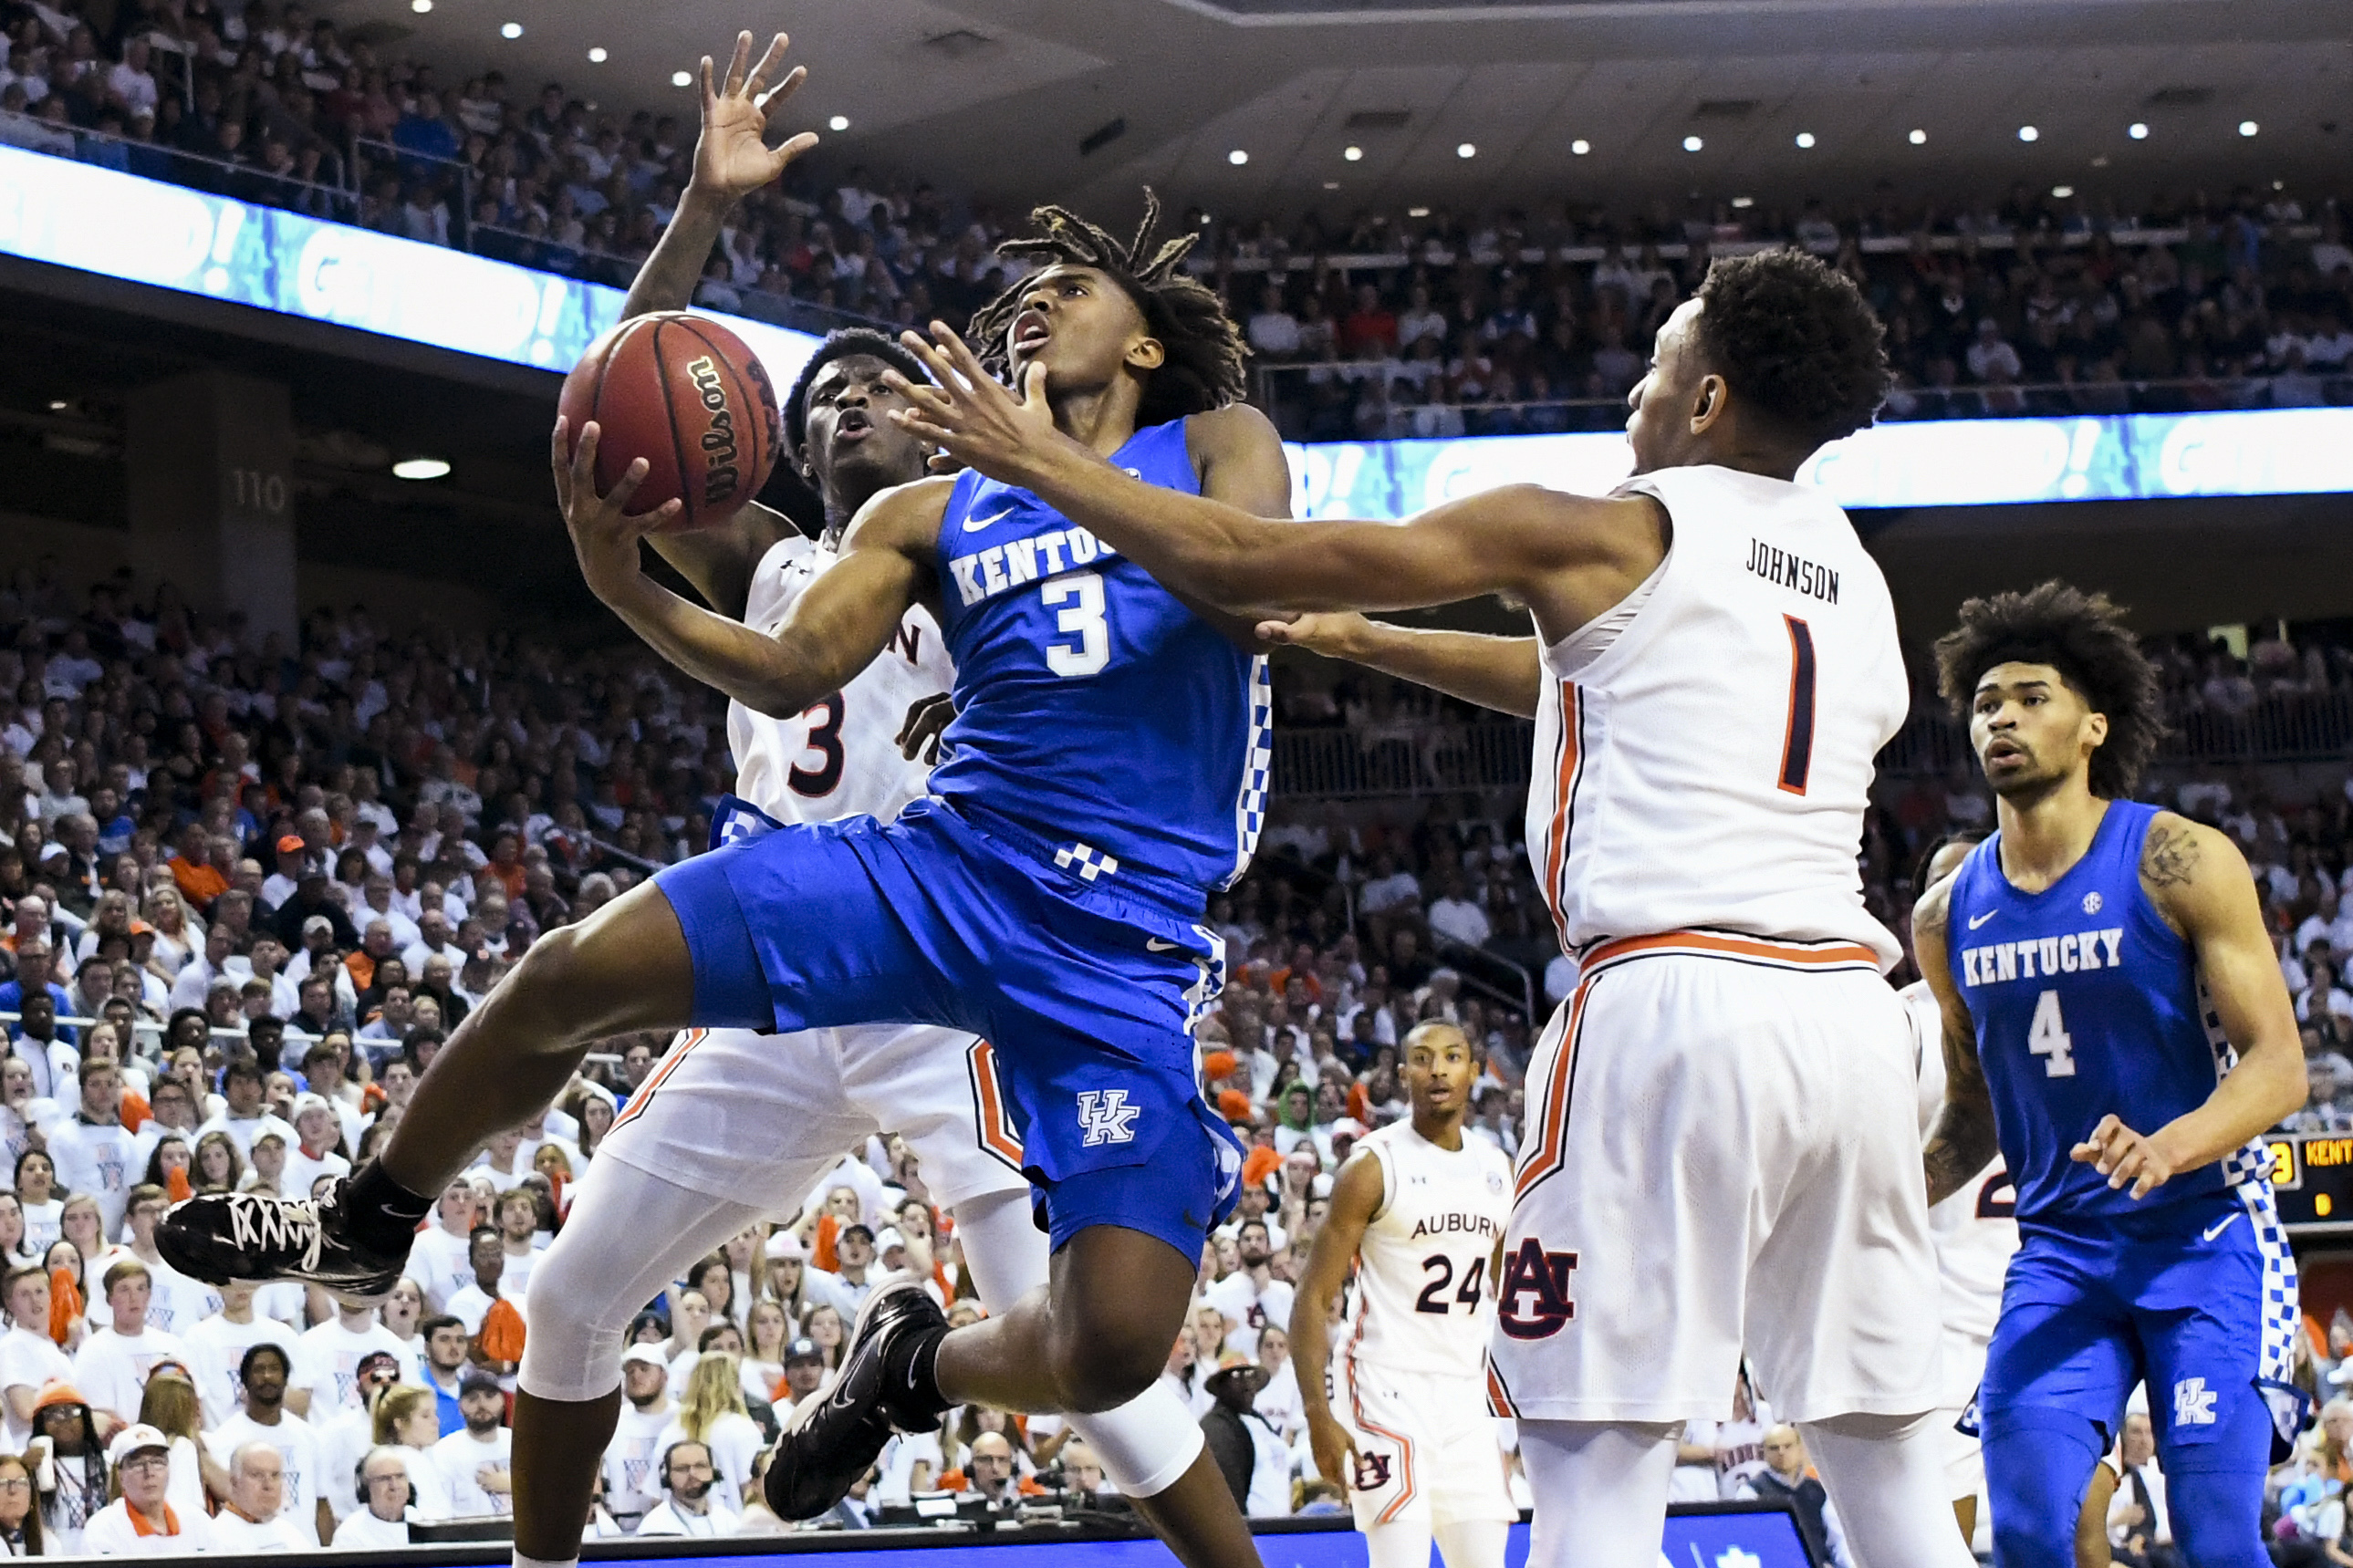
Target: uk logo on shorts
[2193,1402]
[1106,1117]
[1534,1304]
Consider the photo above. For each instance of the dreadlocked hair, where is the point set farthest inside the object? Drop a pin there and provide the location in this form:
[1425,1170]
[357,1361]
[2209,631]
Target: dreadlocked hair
[1796,340]
[2084,638]
[1203,369]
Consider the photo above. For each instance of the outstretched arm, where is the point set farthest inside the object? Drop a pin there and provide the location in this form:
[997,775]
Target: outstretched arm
[2200,884]
[1962,1140]
[1515,540]
[1356,1199]
[836,628]
[1500,673]
[731,162]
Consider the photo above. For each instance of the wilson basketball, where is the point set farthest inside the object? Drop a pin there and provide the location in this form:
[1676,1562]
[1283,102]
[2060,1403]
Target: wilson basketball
[687,395]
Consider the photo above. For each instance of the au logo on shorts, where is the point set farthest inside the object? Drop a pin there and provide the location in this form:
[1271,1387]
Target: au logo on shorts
[1534,1304]
[1106,1117]
[1372,1472]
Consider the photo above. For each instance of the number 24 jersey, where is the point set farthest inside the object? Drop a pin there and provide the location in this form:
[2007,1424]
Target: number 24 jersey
[1423,1302]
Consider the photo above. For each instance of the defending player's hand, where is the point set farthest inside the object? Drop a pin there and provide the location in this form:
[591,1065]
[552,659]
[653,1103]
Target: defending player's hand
[2124,1155]
[731,157]
[973,418]
[1334,1450]
[604,535]
[1332,633]
[927,719]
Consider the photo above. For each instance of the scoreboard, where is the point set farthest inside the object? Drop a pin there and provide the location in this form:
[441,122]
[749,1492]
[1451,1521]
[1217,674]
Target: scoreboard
[2313,1174]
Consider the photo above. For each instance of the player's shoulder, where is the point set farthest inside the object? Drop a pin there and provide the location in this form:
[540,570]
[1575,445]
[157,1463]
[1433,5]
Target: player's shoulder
[902,515]
[2174,849]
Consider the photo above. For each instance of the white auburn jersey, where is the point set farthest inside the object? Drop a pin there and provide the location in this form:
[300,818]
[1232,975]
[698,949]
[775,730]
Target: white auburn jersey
[841,757]
[1423,1302]
[1975,1229]
[1709,768]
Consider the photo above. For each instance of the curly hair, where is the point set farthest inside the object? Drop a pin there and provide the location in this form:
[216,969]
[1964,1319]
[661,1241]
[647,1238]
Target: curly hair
[1204,350]
[1795,338]
[846,343]
[2084,638]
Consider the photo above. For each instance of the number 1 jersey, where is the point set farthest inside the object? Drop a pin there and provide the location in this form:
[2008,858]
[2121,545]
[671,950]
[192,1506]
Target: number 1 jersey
[1704,751]
[2087,1003]
[841,758]
[1090,703]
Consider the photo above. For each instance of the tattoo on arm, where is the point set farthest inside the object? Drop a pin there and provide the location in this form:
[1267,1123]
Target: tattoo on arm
[2170,857]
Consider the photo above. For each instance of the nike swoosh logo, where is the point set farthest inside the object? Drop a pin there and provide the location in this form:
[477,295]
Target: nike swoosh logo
[1983,918]
[975,524]
[1154,944]
[2217,1228]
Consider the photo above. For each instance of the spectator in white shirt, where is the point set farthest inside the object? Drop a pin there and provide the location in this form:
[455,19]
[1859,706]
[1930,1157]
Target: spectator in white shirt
[131,86]
[29,1360]
[439,1261]
[112,1366]
[1457,915]
[1388,887]
[328,1358]
[216,1347]
[384,1479]
[93,1152]
[473,1464]
[318,1148]
[687,1506]
[246,1114]
[254,1520]
[1989,352]
[264,1373]
[140,1523]
[632,1459]
[846,1291]
[472,1303]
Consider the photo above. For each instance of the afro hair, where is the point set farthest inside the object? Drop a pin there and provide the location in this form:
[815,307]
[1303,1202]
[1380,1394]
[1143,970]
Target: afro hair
[1796,340]
[846,343]
[2084,638]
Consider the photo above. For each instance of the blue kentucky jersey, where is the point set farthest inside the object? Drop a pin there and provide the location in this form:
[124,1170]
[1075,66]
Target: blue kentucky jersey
[2087,1003]
[1090,703]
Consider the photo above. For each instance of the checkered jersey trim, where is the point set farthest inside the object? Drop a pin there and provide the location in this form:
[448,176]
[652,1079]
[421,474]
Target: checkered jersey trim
[1257,770]
[2250,1163]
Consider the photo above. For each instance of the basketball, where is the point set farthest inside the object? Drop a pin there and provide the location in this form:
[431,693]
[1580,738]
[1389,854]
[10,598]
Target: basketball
[687,395]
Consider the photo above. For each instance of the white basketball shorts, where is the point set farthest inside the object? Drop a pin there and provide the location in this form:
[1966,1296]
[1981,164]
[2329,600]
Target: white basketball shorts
[1426,1449]
[1723,1154]
[758,1119]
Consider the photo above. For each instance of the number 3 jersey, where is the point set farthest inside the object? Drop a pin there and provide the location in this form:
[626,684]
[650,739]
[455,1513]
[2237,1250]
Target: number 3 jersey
[841,758]
[1423,1302]
[1703,751]
[1090,702]
[2087,1003]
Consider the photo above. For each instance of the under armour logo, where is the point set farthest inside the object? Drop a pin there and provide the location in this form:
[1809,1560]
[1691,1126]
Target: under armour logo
[1106,1117]
[1736,1558]
[1372,1472]
[1091,862]
[2193,1402]
[1541,1278]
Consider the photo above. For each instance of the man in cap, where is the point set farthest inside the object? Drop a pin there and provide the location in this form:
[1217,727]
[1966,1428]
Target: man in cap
[804,1372]
[140,1523]
[280,884]
[632,1483]
[474,1464]
[1248,1451]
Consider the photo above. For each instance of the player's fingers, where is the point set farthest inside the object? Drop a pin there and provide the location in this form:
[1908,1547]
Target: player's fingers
[617,503]
[739,62]
[559,459]
[770,59]
[1033,388]
[710,93]
[793,149]
[923,429]
[924,349]
[923,397]
[584,459]
[959,352]
[784,89]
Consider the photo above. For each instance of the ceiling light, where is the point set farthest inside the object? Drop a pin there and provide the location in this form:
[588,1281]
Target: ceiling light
[1918,138]
[2137,131]
[1331,185]
[838,123]
[1742,203]
[1805,139]
[510,30]
[420,7]
[1466,150]
[57,406]
[1417,212]
[1354,154]
[2063,192]
[596,56]
[421,468]
[681,79]
[1580,146]
[2028,133]
[1692,143]
[2247,128]
[1238,157]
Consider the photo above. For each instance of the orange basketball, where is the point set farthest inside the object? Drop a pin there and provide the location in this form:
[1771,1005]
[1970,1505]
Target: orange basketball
[691,399]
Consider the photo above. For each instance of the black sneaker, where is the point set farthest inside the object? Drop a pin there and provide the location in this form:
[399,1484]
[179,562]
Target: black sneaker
[835,1440]
[222,1236]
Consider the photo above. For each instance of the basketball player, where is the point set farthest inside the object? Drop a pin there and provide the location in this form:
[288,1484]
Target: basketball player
[2115,1023]
[1106,770]
[1723,1139]
[737,1125]
[1417,1214]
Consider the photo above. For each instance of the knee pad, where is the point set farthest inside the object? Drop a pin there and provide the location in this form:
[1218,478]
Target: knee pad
[1145,1444]
[2037,1463]
[573,1352]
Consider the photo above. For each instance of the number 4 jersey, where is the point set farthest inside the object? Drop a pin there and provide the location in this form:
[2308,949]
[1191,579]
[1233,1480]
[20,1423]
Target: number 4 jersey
[1422,1300]
[2087,1003]
[1703,751]
[840,758]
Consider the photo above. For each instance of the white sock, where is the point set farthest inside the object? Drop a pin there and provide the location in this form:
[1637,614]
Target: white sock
[522,1562]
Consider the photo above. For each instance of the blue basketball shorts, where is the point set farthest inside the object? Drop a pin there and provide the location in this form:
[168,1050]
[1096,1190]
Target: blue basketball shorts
[1087,977]
[2198,1299]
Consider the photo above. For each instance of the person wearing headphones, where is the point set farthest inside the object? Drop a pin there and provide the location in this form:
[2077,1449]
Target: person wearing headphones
[387,1500]
[688,1506]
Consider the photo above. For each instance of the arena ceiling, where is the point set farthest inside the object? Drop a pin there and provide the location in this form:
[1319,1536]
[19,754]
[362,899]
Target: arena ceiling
[1081,101]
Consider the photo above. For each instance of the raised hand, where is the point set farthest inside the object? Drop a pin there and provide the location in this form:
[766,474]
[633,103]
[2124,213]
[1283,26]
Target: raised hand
[604,535]
[974,419]
[731,157]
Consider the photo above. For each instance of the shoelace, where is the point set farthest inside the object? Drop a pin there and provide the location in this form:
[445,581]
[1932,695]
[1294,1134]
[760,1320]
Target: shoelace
[259,1222]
